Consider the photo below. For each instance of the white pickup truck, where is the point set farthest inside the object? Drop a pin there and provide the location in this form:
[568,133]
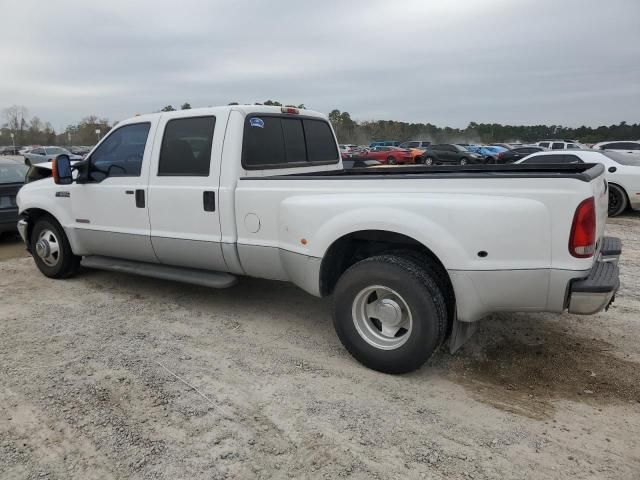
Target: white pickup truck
[411,255]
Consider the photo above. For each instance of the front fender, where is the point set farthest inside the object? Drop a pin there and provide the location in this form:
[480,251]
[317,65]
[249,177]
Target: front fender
[41,195]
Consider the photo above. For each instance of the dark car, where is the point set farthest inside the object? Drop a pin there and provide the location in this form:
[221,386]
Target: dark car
[449,153]
[11,179]
[516,154]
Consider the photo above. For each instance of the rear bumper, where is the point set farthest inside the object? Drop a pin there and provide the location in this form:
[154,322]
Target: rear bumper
[597,291]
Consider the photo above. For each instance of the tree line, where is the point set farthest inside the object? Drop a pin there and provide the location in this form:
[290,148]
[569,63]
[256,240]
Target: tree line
[351,131]
[31,130]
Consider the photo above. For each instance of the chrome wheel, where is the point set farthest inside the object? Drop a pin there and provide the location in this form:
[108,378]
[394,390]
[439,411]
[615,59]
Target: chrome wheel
[463,161]
[48,248]
[428,161]
[382,317]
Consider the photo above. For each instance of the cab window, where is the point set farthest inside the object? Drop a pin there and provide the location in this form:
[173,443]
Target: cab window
[120,154]
[272,141]
[186,147]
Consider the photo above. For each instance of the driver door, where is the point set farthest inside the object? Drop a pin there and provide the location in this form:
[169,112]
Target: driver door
[110,210]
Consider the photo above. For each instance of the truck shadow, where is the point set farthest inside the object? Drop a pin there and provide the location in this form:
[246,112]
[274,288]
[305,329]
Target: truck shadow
[521,364]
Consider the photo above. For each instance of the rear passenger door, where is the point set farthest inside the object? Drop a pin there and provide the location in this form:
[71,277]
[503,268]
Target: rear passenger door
[183,190]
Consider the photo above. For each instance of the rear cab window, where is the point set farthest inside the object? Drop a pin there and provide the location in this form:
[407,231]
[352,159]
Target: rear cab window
[280,141]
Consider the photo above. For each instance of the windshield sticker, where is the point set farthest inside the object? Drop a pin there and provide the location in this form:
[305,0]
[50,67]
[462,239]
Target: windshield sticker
[256,122]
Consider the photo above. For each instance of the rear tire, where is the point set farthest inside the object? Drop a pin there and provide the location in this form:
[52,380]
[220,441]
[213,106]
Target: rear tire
[391,160]
[428,161]
[51,250]
[617,200]
[390,313]
[463,161]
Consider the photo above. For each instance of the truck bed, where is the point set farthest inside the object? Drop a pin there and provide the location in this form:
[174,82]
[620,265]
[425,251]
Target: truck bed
[585,172]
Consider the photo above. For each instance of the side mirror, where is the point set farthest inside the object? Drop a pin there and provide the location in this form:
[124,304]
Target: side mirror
[61,170]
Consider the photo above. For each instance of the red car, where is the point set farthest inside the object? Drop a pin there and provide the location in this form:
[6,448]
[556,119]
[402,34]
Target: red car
[388,155]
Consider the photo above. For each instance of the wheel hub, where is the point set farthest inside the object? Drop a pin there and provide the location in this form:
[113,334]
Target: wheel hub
[382,317]
[389,312]
[43,249]
[48,248]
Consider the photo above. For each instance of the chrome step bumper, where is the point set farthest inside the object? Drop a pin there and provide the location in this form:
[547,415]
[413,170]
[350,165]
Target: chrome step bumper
[596,292]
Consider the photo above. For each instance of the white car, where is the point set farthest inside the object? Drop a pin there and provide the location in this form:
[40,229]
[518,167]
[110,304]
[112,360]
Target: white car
[408,254]
[629,147]
[622,173]
[561,144]
[46,154]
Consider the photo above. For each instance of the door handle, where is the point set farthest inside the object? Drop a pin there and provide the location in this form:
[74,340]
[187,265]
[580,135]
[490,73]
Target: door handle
[140,199]
[209,201]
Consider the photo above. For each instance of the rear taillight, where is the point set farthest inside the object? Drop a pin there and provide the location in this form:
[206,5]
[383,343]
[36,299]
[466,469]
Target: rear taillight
[582,241]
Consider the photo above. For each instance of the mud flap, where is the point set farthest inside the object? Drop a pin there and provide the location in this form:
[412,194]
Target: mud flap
[460,333]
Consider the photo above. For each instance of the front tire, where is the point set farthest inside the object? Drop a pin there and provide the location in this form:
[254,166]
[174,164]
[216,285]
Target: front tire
[391,160]
[463,161]
[428,161]
[51,250]
[390,313]
[617,200]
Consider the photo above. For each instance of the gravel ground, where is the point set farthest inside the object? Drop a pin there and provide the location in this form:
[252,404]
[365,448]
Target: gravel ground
[113,376]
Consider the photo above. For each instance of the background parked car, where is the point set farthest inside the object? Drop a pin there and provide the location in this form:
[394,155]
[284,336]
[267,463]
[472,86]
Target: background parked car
[388,155]
[421,144]
[489,152]
[561,144]
[80,150]
[629,147]
[621,171]
[384,143]
[10,150]
[517,153]
[506,146]
[46,154]
[11,179]
[449,153]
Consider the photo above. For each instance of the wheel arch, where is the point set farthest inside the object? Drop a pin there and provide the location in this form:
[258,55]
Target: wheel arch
[361,244]
[33,214]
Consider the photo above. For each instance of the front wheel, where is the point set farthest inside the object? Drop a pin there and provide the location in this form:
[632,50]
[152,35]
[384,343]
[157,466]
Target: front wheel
[391,160]
[51,250]
[463,161]
[617,200]
[428,161]
[390,313]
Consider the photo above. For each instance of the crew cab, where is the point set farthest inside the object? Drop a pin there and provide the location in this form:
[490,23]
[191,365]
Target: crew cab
[410,255]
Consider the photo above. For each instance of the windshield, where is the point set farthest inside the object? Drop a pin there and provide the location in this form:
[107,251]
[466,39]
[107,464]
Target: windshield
[12,173]
[623,159]
[57,151]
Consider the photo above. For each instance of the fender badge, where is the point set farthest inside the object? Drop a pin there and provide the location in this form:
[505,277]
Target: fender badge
[256,122]
[63,194]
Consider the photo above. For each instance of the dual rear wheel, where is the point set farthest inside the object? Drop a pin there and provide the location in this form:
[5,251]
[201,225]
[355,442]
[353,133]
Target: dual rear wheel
[390,312]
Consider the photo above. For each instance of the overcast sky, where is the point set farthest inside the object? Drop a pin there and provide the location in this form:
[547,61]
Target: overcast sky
[447,62]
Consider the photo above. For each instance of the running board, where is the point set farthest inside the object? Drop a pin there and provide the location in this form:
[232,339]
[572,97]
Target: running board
[166,272]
